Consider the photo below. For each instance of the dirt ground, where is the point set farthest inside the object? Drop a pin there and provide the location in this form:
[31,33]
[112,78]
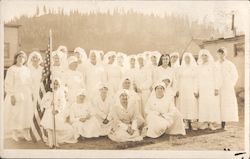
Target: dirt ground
[232,138]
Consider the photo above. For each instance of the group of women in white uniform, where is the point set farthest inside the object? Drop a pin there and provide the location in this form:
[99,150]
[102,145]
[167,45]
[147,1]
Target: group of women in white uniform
[124,97]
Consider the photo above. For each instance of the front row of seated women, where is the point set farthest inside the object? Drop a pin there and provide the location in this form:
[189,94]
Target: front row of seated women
[122,120]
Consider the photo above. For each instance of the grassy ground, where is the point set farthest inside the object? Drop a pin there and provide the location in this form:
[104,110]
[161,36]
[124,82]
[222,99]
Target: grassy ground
[232,138]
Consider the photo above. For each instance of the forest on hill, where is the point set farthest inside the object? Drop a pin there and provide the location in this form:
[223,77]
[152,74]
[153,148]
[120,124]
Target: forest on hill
[128,32]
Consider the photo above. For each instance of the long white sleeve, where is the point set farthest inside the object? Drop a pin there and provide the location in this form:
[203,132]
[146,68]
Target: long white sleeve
[10,82]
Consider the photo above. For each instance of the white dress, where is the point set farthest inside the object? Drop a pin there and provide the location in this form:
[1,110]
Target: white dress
[64,131]
[102,111]
[94,75]
[18,83]
[58,72]
[123,118]
[209,108]
[162,72]
[74,82]
[36,76]
[228,102]
[114,76]
[89,128]
[143,80]
[187,86]
[162,117]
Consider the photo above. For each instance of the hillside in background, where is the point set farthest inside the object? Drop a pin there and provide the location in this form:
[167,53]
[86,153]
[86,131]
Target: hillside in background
[129,32]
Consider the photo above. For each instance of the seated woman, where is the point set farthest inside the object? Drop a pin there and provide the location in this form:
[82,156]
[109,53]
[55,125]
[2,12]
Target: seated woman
[161,114]
[125,114]
[102,103]
[64,131]
[129,85]
[82,118]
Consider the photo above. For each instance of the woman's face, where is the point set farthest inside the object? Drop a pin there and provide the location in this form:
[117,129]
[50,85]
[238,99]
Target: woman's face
[35,60]
[80,98]
[220,55]
[132,63]
[159,91]
[78,55]
[165,60]
[56,59]
[56,85]
[174,58]
[120,61]
[93,58]
[104,92]
[124,99]
[126,84]
[167,82]
[153,60]
[187,59]
[21,59]
[73,65]
[204,58]
[111,59]
[140,61]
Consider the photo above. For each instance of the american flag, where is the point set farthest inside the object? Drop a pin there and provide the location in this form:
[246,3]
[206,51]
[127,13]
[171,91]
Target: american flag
[37,132]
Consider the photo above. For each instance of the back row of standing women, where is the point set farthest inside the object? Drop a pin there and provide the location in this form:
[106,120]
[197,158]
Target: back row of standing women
[138,93]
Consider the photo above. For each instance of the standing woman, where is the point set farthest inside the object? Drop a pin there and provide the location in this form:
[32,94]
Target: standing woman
[64,55]
[164,68]
[175,60]
[143,80]
[229,76]
[74,80]
[208,91]
[18,101]
[186,88]
[57,67]
[132,68]
[153,64]
[34,64]
[95,73]
[114,74]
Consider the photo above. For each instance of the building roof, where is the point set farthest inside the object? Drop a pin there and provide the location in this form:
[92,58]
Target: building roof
[12,25]
[237,37]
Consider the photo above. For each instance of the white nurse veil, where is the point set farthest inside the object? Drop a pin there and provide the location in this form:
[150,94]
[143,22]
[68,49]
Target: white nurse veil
[97,55]
[107,55]
[81,51]
[205,52]
[177,62]
[191,57]
[31,55]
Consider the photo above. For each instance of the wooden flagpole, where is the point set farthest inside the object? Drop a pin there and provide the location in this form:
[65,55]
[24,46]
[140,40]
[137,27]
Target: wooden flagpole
[53,104]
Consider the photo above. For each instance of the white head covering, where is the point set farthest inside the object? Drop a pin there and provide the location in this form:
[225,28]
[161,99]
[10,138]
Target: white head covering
[82,53]
[56,53]
[97,55]
[146,55]
[125,78]
[63,49]
[153,94]
[164,77]
[31,55]
[205,52]
[177,62]
[157,54]
[107,55]
[72,59]
[141,55]
[132,57]
[123,58]
[192,60]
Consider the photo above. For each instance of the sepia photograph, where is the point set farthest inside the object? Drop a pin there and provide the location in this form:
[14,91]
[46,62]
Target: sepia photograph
[124,79]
